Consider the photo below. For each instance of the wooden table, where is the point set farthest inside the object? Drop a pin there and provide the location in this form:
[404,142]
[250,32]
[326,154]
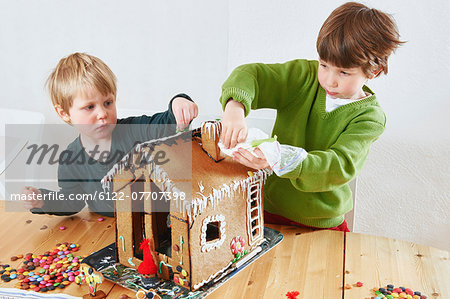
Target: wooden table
[311,262]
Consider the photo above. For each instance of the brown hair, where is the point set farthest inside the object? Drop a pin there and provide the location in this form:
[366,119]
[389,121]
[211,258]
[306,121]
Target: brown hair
[357,36]
[75,73]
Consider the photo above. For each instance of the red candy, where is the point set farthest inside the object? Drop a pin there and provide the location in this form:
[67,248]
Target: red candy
[359,284]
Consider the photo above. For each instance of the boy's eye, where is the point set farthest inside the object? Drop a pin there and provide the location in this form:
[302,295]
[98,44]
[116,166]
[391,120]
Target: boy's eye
[108,103]
[323,65]
[344,73]
[90,107]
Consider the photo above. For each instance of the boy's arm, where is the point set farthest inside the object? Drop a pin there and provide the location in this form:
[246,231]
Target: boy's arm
[64,207]
[274,86]
[325,170]
[167,117]
[70,185]
[158,125]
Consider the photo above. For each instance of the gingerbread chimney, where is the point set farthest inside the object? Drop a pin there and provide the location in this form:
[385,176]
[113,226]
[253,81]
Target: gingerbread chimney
[210,138]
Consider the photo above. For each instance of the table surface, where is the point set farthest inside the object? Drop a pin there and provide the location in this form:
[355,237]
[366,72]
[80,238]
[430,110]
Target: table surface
[314,263]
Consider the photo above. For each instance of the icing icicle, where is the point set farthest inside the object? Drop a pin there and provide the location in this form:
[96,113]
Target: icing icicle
[212,128]
[199,204]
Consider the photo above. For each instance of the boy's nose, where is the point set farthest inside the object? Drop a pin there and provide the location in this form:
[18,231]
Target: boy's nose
[331,81]
[102,113]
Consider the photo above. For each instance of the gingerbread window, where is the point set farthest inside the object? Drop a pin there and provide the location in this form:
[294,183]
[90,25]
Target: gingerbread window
[213,232]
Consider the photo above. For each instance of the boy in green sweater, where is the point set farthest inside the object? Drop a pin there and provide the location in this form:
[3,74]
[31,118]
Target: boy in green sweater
[83,92]
[327,118]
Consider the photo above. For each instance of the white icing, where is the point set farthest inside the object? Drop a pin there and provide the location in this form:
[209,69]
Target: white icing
[200,186]
[211,277]
[212,129]
[199,204]
[252,239]
[208,246]
[117,168]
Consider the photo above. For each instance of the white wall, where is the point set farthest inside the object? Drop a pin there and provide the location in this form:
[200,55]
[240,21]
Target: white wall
[158,48]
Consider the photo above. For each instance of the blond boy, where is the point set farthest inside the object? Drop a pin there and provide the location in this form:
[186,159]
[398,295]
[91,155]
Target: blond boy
[83,92]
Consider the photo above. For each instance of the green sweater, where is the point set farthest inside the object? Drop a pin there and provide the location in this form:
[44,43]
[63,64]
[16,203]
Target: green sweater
[316,193]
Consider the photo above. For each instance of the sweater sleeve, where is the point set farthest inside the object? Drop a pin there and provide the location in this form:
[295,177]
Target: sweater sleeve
[167,117]
[274,86]
[158,125]
[325,170]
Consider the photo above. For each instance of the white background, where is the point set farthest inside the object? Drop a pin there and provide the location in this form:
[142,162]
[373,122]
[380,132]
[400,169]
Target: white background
[159,48]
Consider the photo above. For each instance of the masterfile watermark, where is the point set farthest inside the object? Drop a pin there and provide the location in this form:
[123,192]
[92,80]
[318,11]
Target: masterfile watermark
[141,165]
[67,157]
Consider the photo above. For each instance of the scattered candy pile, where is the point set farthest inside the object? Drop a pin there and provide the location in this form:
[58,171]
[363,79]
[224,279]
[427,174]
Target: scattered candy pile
[391,292]
[59,268]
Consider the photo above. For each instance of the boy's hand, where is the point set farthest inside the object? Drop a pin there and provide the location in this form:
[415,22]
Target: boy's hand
[234,127]
[184,111]
[29,192]
[248,159]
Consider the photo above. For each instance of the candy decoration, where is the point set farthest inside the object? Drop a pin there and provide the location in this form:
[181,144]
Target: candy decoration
[237,248]
[123,243]
[237,245]
[162,263]
[87,275]
[181,250]
[292,295]
[62,227]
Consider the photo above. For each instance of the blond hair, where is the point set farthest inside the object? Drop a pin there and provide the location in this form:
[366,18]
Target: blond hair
[357,36]
[76,73]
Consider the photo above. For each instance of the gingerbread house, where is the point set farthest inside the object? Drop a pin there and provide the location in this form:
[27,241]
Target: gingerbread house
[203,223]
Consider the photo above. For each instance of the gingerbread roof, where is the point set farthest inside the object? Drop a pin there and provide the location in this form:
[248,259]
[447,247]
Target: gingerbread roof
[205,186]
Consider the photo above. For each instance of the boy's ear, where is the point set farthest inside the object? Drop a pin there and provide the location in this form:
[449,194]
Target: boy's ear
[62,113]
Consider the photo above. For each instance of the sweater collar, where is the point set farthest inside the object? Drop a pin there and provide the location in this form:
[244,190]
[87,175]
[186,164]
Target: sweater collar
[370,100]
